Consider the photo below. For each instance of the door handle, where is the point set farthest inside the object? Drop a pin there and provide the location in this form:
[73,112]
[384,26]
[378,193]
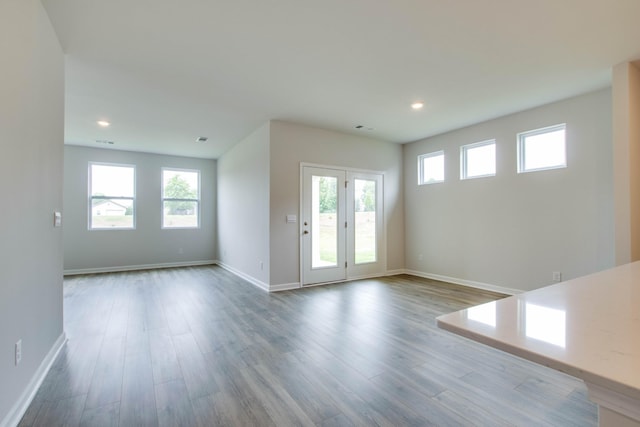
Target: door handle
[305,232]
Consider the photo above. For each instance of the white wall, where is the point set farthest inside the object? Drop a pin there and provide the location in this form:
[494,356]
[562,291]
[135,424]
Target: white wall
[243,207]
[626,157]
[31,136]
[513,230]
[148,244]
[292,144]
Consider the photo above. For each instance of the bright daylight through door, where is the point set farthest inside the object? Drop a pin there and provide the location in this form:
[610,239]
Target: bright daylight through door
[364,202]
[341,230]
[324,230]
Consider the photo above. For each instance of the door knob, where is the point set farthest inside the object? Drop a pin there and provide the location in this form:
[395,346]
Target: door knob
[305,232]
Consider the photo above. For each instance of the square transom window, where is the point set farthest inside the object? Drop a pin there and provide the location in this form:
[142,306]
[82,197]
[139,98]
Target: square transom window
[478,160]
[431,168]
[542,149]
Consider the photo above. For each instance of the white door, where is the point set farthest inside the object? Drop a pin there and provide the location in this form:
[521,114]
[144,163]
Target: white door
[365,229]
[323,247]
[342,228]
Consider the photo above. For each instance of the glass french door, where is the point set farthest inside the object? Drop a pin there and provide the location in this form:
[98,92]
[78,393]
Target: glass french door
[365,231]
[323,230]
[341,225]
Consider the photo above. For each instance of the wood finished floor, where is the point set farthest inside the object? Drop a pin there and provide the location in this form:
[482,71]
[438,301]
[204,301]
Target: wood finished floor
[201,347]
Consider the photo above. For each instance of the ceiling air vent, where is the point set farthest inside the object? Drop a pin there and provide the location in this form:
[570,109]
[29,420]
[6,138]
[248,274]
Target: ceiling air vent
[202,139]
[104,141]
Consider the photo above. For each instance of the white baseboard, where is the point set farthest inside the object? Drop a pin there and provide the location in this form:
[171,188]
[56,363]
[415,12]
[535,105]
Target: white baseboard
[20,407]
[250,279]
[284,287]
[464,282]
[396,272]
[137,267]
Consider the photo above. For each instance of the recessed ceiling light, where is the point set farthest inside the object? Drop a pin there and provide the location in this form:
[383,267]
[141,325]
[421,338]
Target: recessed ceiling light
[417,105]
[103,123]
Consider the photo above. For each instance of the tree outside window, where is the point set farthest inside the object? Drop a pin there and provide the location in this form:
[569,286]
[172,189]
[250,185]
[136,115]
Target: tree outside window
[180,198]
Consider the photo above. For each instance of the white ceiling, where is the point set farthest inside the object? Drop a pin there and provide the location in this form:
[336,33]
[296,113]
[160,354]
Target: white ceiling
[165,72]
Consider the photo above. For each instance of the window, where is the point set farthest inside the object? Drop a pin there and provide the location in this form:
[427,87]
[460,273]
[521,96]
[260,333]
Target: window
[542,149]
[180,198]
[431,168]
[364,224]
[478,160]
[111,196]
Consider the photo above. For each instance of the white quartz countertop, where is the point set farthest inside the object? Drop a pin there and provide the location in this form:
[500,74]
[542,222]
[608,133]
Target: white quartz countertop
[587,327]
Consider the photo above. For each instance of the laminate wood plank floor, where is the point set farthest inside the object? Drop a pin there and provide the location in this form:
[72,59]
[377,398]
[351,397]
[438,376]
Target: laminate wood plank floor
[200,347]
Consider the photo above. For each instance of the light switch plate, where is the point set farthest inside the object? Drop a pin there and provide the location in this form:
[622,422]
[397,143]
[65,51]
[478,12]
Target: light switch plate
[57,219]
[292,219]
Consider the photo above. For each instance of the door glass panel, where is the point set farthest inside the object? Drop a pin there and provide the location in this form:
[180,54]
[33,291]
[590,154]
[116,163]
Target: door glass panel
[324,221]
[365,220]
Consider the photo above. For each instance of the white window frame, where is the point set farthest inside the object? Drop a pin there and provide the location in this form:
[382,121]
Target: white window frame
[421,171]
[91,197]
[463,158]
[166,199]
[522,136]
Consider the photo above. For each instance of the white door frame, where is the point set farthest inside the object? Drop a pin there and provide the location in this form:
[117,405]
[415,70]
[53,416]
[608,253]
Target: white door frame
[353,271]
[313,269]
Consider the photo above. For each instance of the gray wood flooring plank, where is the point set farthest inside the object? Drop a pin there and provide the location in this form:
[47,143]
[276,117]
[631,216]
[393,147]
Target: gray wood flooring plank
[106,383]
[199,346]
[103,416]
[163,357]
[195,371]
[63,412]
[173,404]
[138,404]
[246,403]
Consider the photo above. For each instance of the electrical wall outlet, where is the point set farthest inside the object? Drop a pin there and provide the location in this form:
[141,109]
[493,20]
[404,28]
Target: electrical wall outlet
[557,276]
[18,352]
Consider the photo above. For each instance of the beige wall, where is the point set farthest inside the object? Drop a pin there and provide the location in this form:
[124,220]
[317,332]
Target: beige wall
[31,136]
[626,148]
[149,244]
[513,230]
[292,144]
[243,207]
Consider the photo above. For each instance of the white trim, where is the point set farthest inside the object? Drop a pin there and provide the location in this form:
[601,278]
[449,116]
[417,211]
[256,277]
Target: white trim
[464,282]
[137,267]
[464,159]
[614,401]
[421,159]
[133,198]
[366,276]
[447,279]
[262,285]
[340,168]
[311,285]
[22,404]
[349,279]
[198,199]
[521,139]
[284,287]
